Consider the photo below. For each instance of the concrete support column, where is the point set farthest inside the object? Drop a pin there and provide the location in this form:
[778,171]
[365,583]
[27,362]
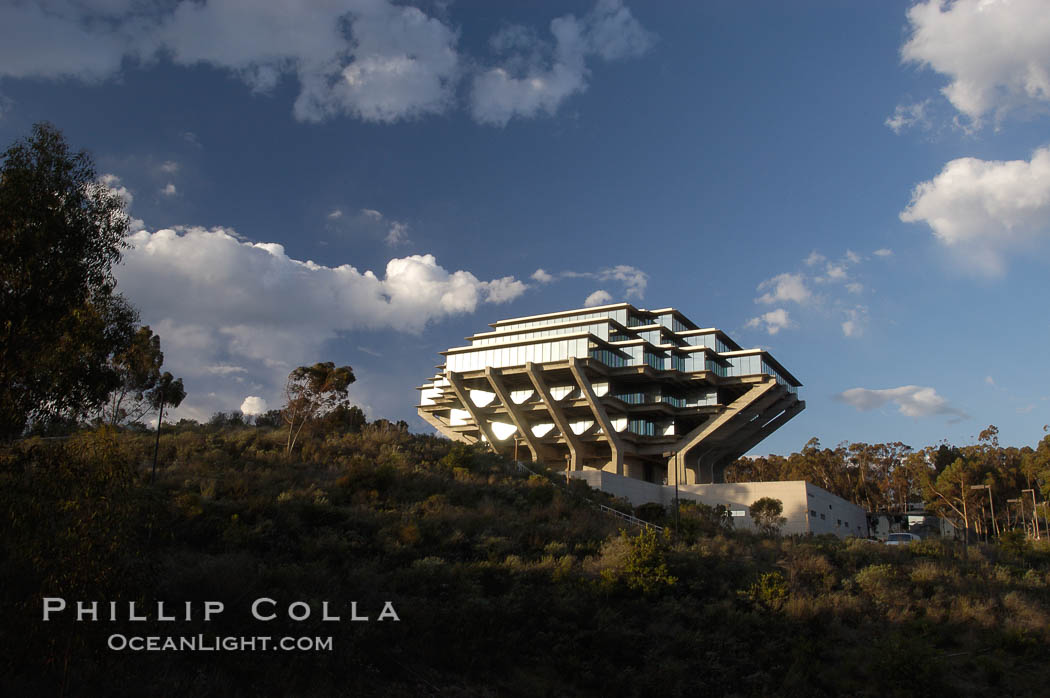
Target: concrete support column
[535,375]
[615,447]
[494,376]
[479,417]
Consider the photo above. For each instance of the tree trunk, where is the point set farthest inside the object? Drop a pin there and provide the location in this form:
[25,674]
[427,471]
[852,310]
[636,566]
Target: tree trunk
[156,446]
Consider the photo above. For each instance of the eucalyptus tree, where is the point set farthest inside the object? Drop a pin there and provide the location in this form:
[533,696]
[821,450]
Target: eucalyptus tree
[312,392]
[168,392]
[61,232]
[138,371]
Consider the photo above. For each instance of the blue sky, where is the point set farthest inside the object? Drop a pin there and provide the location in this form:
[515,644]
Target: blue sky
[861,188]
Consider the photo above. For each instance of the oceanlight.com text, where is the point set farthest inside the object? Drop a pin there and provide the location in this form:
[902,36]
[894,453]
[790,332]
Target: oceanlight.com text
[217,643]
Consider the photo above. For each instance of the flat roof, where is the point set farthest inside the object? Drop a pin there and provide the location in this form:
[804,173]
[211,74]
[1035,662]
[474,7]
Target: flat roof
[497,333]
[676,312]
[576,311]
[598,308]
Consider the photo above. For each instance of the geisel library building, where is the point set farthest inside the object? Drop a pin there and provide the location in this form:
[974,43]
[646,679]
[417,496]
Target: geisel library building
[634,401]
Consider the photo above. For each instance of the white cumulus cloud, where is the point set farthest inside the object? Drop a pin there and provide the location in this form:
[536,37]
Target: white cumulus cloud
[542,277]
[371,59]
[908,116]
[784,288]
[911,401]
[253,405]
[983,209]
[248,313]
[834,272]
[116,186]
[397,234]
[225,370]
[995,53]
[405,65]
[55,40]
[504,290]
[855,322]
[634,280]
[814,258]
[774,321]
[821,287]
[537,77]
[374,60]
[599,297]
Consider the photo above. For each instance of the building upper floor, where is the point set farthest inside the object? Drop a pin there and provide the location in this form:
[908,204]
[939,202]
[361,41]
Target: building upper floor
[618,336]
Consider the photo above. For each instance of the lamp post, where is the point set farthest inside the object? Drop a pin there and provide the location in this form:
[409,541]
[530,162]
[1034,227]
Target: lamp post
[1009,522]
[669,455]
[1035,513]
[991,504]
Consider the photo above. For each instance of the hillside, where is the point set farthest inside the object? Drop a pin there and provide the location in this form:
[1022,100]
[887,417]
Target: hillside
[504,583]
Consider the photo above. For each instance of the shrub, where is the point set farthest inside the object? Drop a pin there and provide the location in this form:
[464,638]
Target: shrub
[770,591]
[1015,543]
[653,512]
[458,456]
[696,519]
[645,568]
[879,582]
[809,571]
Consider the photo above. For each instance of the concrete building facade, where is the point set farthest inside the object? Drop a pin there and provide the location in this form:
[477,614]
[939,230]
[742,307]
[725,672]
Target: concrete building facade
[643,394]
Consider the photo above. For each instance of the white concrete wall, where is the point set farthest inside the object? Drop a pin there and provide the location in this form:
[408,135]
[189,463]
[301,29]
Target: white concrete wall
[633,490]
[832,514]
[741,495]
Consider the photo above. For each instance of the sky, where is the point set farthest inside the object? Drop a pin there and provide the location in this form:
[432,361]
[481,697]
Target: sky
[863,189]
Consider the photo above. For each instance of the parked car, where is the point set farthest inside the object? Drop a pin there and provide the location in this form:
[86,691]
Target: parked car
[902,539]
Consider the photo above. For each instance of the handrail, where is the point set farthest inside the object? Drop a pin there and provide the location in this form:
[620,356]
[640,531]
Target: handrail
[601,507]
[629,518]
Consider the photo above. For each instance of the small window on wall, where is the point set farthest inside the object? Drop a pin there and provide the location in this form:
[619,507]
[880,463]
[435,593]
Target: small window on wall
[821,517]
[812,512]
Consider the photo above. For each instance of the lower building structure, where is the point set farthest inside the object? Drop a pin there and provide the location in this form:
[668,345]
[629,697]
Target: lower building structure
[916,520]
[808,509]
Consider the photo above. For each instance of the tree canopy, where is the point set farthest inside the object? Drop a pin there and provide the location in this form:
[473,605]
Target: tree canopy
[138,370]
[766,513]
[961,483]
[314,391]
[61,232]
